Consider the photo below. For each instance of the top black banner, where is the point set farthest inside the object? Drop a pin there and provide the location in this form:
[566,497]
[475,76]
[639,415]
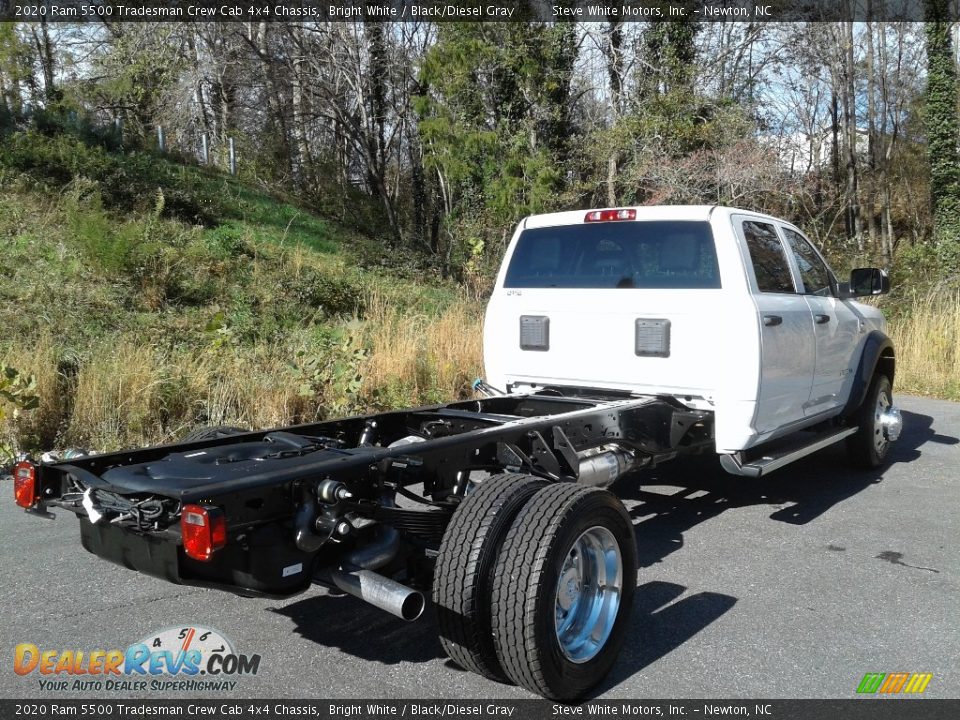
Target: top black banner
[107,11]
[490,709]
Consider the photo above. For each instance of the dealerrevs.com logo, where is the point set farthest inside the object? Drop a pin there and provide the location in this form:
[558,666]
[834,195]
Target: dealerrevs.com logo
[190,658]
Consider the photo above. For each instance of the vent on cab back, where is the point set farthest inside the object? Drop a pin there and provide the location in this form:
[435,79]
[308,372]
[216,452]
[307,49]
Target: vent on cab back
[652,338]
[534,332]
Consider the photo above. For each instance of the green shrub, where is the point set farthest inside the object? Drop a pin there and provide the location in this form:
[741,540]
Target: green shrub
[228,240]
[105,245]
[331,294]
[126,182]
[61,120]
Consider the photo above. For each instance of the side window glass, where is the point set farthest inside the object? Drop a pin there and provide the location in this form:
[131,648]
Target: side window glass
[813,271]
[768,258]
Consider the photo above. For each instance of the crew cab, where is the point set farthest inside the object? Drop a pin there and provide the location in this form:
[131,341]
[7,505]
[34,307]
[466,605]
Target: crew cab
[614,339]
[726,310]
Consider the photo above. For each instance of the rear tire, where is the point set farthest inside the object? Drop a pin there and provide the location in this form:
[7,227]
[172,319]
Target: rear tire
[868,447]
[563,590]
[212,433]
[464,572]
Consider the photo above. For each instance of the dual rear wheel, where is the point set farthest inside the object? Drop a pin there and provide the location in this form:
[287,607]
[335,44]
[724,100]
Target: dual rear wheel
[535,582]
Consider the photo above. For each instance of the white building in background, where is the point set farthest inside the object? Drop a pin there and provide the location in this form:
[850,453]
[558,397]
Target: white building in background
[800,152]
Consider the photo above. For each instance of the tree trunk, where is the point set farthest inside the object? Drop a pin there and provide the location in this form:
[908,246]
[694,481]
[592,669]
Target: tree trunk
[199,96]
[612,179]
[615,73]
[875,227]
[854,229]
[835,136]
[47,60]
[377,95]
[278,118]
[304,160]
[418,189]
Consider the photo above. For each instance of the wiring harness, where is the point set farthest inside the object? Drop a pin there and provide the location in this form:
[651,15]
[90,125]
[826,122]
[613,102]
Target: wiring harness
[144,513]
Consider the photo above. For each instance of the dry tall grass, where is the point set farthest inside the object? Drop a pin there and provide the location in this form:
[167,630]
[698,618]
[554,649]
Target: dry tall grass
[124,393]
[41,426]
[419,359]
[128,395]
[927,341]
[117,397]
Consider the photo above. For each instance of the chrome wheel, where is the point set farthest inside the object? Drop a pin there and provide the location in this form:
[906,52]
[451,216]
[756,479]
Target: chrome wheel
[588,594]
[880,440]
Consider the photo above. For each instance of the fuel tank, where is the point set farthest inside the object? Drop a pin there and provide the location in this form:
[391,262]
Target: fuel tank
[185,470]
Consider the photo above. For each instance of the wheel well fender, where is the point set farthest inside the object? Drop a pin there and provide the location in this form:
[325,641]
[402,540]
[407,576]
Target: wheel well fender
[877,356]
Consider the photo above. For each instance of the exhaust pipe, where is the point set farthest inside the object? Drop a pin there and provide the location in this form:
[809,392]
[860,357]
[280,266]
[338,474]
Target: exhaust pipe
[382,592]
[375,555]
[357,577]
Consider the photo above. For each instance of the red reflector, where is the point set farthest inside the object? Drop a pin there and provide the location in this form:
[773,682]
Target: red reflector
[204,531]
[25,484]
[611,215]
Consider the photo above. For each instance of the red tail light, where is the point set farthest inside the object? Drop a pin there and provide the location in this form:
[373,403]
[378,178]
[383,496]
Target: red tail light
[25,484]
[611,215]
[204,531]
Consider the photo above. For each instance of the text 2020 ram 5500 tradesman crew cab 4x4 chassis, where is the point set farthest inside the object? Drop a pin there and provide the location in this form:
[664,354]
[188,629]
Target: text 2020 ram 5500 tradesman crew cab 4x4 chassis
[614,339]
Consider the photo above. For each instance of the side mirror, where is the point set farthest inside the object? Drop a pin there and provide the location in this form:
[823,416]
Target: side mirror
[866,282]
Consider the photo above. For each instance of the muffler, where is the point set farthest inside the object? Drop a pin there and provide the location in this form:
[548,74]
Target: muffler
[601,466]
[382,592]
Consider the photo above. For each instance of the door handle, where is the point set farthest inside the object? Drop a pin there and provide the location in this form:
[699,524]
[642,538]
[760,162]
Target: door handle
[821,319]
[771,320]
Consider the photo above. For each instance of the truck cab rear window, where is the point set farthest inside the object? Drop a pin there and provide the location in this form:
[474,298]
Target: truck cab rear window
[644,254]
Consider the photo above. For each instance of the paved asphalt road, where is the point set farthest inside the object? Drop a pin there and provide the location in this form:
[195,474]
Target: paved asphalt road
[793,586]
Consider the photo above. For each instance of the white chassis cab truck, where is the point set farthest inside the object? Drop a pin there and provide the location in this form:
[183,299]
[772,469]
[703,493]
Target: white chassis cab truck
[724,310]
[615,339]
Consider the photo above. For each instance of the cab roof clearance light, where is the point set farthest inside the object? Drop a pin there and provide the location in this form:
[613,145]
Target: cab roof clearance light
[611,215]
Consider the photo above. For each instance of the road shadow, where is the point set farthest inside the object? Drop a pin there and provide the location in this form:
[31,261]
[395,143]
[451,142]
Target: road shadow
[661,621]
[658,626]
[361,630]
[801,492]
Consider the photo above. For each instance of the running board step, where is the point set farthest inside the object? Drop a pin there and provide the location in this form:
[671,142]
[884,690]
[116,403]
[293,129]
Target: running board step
[773,461]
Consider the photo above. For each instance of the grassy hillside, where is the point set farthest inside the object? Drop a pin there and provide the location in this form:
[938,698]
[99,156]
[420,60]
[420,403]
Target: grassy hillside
[140,297]
[147,296]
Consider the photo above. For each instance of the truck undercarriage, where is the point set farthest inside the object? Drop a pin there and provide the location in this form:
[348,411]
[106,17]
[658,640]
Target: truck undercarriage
[330,502]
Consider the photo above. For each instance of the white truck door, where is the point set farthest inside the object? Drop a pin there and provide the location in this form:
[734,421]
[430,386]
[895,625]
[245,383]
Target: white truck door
[787,353]
[836,327]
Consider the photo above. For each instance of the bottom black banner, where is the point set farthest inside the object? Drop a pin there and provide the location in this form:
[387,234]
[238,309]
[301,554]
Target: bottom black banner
[852,709]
